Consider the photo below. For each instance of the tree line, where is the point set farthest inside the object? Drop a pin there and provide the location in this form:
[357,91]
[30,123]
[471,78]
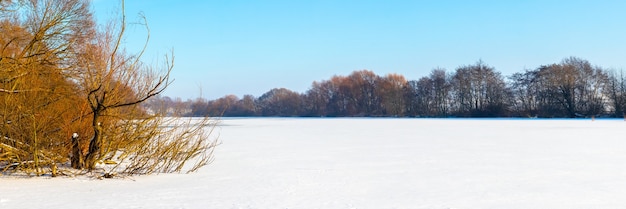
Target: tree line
[568,89]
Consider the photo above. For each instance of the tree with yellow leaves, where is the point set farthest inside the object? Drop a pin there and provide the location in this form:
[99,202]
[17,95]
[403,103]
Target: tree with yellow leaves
[62,76]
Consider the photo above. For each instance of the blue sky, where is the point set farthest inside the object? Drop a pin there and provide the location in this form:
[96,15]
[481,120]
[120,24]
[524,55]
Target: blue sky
[249,47]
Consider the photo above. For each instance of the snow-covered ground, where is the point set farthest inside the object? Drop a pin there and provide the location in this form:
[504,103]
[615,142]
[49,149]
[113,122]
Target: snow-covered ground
[372,163]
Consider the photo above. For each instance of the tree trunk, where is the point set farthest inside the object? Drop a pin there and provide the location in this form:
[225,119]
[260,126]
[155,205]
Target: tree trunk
[94,144]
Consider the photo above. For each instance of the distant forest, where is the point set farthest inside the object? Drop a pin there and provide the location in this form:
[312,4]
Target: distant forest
[572,88]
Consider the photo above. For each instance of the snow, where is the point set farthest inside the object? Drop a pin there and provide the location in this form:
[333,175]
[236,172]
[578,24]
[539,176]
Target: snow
[371,163]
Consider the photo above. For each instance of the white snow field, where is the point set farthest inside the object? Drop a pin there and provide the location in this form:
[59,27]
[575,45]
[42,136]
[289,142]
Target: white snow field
[371,163]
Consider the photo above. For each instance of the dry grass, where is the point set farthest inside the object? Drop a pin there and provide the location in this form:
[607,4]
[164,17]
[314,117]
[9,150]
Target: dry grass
[136,147]
[161,145]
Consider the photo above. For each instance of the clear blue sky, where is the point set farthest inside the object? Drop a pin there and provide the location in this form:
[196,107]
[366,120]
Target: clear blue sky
[249,47]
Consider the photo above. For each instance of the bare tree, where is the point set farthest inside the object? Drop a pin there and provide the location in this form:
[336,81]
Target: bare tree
[61,75]
[479,91]
[318,99]
[391,90]
[114,84]
[441,91]
[280,102]
[38,41]
[526,95]
[421,100]
[616,91]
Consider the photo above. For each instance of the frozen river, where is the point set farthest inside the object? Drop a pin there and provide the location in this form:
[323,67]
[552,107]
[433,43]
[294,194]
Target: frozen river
[372,163]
